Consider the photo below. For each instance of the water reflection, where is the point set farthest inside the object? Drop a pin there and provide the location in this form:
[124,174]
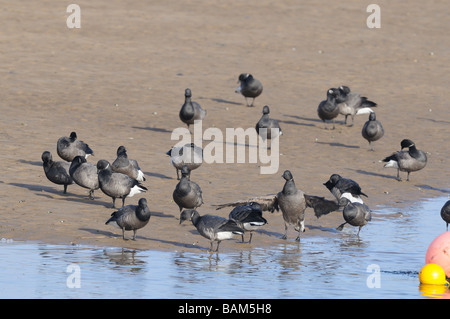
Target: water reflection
[333,266]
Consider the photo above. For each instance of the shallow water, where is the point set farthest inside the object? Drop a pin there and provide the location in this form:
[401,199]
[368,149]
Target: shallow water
[383,262]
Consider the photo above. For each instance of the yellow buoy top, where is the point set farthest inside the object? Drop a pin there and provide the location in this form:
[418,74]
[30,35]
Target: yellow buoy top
[432,274]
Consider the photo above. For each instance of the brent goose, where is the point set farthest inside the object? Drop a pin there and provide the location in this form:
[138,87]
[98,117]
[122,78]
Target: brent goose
[267,123]
[408,161]
[117,185]
[214,228]
[84,174]
[344,187]
[187,194]
[69,147]
[351,103]
[355,214]
[372,130]
[131,217]
[249,87]
[190,110]
[328,109]
[445,212]
[123,164]
[56,171]
[292,202]
[248,217]
[190,155]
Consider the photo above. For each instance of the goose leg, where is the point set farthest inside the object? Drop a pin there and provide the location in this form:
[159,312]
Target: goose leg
[250,240]
[358,231]
[123,233]
[134,234]
[65,189]
[398,175]
[285,231]
[341,226]
[114,202]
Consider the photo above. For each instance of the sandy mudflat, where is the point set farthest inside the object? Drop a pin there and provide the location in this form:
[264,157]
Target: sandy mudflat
[120,80]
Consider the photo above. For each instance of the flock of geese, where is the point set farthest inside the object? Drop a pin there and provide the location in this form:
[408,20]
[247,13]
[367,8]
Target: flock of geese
[123,177]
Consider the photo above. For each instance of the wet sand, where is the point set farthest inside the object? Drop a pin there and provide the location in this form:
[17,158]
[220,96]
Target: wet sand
[120,80]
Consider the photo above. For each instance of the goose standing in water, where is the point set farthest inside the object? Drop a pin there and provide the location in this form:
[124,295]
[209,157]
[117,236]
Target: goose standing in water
[249,87]
[445,213]
[293,203]
[131,217]
[408,161]
[355,214]
[214,228]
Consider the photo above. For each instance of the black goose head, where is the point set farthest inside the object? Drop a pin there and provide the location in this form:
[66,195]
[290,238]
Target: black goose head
[185,171]
[73,136]
[47,157]
[372,116]
[142,203]
[266,109]
[332,181]
[406,143]
[243,77]
[187,214]
[332,93]
[188,93]
[287,175]
[121,150]
[103,165]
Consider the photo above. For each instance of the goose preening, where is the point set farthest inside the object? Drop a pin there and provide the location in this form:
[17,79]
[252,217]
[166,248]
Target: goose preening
[117,185]
[248,217]
[190,155]
[328,109]
[187,194]
[214,228]
[84,174]
[292,202]
[123,164]
[249,87]
[69,147]
[344,187]
[131,217]
[190,110]
[351,103]
[408,161]
[355,214]
[372,130]
[56,171]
